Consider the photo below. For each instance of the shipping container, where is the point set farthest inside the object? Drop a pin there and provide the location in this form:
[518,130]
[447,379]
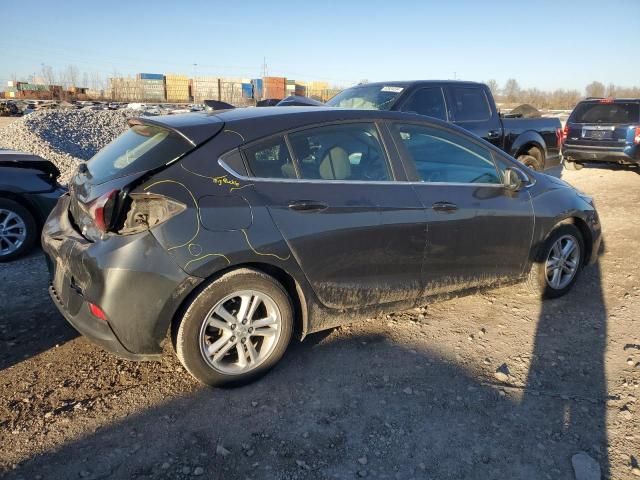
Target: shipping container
[177,88]
[247,90]
[274,87]
[150,76]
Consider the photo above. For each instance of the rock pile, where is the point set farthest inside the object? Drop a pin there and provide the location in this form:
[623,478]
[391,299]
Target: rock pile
[65,137]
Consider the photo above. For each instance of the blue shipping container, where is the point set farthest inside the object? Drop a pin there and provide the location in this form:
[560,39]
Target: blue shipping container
[257,87]
[247,90]
[151,76]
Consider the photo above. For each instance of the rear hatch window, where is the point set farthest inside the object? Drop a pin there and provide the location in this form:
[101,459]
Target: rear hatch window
[369,97]
[606,113]
[139,149]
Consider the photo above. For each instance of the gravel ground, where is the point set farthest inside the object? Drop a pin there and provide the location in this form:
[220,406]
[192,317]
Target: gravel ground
[65,137]
[492,386]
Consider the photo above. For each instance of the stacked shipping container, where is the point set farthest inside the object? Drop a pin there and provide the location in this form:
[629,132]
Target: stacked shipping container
[156,87]
[177,88]
[205,88]
[125,89]
[274,87]
[152,86]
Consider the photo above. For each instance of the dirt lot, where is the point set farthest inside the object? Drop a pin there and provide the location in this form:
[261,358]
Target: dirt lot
[410,395]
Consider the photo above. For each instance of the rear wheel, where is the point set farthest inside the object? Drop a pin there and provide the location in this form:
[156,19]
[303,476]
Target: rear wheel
[531,162]
[569,165]
[558,263]
[236,329]
[18,230]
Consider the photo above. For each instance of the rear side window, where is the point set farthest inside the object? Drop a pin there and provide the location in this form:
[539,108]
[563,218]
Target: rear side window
[611,112]
[469,104]
[427,101]
[350,151]
[141,148]
[270,159]
[443,157]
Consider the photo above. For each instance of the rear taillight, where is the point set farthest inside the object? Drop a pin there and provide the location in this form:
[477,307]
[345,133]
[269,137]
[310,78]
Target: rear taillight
[148,210]
[101,209]
[636,136]
[97,312]
[562,134]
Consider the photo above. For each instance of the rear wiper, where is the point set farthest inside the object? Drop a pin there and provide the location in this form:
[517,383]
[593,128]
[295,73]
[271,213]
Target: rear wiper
[82,168]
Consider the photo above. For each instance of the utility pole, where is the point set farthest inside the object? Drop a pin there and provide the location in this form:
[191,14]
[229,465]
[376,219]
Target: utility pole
[193,81]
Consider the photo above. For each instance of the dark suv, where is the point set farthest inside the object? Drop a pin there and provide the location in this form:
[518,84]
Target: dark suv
[603,130]
[235,230]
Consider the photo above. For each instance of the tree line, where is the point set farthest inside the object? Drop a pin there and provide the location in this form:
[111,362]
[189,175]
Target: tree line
[511,94]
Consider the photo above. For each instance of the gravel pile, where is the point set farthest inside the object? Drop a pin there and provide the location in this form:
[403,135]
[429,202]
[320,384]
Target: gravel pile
[65,137]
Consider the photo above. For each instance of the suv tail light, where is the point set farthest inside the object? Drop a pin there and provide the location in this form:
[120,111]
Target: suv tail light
[148,210]
[636,136]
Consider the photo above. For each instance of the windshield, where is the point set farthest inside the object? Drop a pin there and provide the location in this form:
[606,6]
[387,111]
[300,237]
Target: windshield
[606,112]
[367,97]
[141,148]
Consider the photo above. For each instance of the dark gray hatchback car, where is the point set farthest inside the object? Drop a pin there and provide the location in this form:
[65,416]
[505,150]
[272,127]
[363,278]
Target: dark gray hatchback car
[232,231]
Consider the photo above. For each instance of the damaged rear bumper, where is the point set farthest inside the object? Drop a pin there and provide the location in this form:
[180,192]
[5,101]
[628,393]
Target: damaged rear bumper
[131,278]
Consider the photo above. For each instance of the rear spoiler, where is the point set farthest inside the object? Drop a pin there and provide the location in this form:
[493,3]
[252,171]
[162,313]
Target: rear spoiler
[195,128]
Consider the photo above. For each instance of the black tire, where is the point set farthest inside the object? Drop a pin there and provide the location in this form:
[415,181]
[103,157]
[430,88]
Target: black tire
[531,162]
[569,165]
[187,336]
[31,228]
[537,280]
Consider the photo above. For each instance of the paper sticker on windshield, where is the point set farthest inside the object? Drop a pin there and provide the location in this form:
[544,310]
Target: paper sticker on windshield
[392,89]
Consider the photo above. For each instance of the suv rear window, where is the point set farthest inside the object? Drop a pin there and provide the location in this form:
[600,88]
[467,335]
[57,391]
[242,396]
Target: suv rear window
[610,112]
[141,148]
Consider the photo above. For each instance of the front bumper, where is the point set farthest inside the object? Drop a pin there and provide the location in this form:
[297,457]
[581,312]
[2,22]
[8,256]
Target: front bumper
[578,153]
[131,278]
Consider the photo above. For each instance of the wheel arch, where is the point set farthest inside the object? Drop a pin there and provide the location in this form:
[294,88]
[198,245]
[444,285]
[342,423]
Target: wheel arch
[587,238]
[25,203]
[525,142]
[286,280]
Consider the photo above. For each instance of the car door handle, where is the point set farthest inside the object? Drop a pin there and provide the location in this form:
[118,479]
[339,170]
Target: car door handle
[308,206]
[444,207]
[493,134]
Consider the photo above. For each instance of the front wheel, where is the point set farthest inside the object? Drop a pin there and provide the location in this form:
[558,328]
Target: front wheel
[531,162]
[236,329]
[559,262]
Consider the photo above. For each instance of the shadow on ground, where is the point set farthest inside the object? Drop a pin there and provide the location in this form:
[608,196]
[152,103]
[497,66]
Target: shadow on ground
[29,321]
[365,406]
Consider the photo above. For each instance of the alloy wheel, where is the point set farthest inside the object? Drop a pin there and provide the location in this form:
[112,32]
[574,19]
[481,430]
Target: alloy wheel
[13,232]
[562,262]
[240,332]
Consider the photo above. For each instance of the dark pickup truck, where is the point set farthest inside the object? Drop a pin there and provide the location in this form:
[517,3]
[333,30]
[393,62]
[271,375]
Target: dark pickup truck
[534,141]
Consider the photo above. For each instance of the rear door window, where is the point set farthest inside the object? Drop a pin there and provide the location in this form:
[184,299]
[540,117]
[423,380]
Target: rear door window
[350,151]
[270,159]
[606,112]
[141,148]
[439,156]
[427,101]
[469,104]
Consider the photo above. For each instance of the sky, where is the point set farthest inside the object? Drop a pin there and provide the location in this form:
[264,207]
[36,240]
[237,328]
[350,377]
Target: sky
[546,44]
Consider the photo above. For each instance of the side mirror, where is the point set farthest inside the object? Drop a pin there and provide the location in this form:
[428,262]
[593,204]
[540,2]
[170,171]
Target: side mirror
[515,179]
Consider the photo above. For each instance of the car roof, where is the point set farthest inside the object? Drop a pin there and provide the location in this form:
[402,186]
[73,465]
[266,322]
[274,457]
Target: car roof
[257,122]
[609,100]
[253,123]
[410,83]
